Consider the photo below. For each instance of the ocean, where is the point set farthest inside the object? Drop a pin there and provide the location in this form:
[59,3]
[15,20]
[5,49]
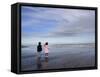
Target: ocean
[60,56]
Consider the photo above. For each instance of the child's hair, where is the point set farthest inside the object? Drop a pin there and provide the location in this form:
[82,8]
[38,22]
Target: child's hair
[46,43]
[39,43]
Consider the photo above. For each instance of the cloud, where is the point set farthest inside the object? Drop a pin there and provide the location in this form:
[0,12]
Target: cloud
[83,24]
[39,22]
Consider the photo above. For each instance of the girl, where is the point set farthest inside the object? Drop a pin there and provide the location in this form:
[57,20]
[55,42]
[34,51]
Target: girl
[46,49]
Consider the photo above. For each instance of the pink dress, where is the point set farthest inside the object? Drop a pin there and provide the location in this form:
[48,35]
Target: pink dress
[46,48]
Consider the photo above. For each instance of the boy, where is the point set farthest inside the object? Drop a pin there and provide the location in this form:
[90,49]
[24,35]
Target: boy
[39,49]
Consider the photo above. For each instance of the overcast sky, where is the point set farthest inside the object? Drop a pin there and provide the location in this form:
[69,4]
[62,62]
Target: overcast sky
[57,25]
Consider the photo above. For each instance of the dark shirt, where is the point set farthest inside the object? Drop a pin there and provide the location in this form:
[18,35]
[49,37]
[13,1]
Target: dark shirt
[39,48]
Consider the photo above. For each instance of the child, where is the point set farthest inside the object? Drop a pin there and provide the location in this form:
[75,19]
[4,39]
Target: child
[39,49]
[46,49]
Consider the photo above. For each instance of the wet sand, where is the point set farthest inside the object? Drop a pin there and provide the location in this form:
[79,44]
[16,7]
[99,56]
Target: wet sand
[60,56]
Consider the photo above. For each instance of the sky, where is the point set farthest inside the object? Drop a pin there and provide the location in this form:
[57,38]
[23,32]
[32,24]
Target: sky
[57,25]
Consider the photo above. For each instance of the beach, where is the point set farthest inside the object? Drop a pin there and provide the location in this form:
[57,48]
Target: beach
[60,56]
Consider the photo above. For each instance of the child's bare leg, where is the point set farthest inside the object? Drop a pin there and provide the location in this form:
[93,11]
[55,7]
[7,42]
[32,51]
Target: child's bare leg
[46,54]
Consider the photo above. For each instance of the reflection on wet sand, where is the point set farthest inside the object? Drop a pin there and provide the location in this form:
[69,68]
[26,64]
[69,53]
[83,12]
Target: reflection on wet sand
[42,64]
[66,56]
[39,64]
[45,64]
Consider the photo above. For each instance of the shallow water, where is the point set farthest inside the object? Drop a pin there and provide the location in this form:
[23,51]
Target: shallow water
[60,56]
